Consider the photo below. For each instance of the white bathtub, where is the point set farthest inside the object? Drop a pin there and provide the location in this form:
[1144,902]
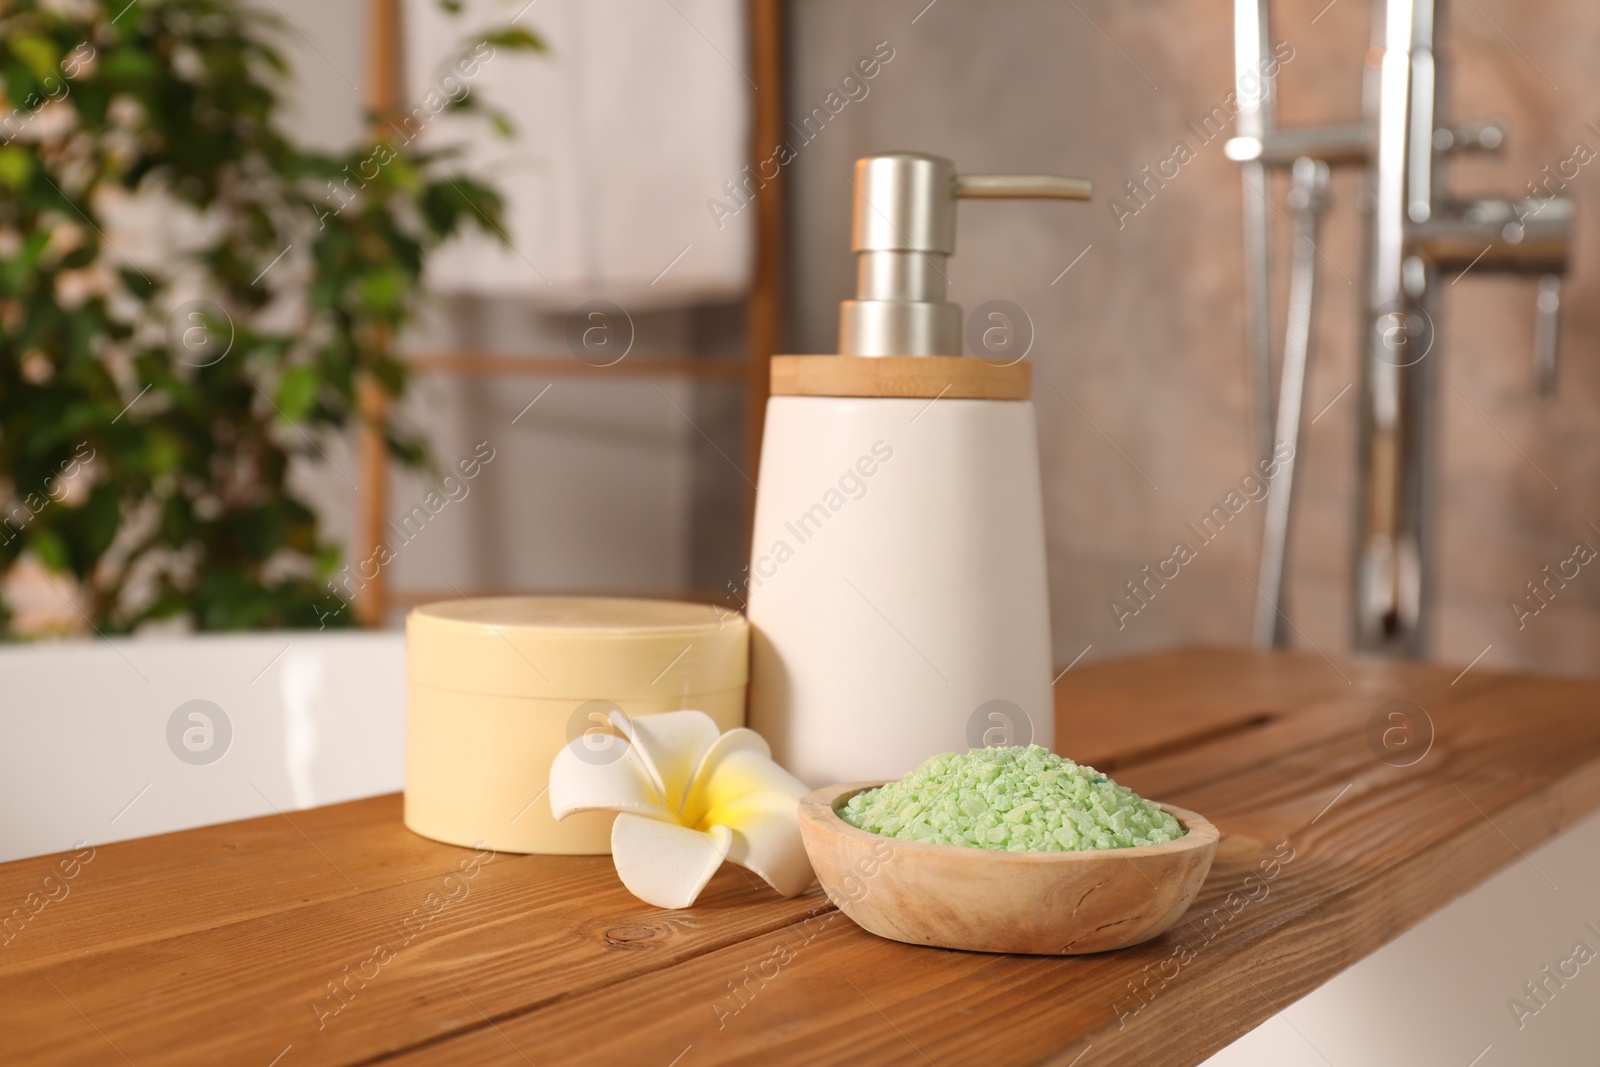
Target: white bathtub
[314,719]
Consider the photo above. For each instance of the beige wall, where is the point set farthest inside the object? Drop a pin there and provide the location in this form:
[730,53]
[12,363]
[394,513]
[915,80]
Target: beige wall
[1144,334]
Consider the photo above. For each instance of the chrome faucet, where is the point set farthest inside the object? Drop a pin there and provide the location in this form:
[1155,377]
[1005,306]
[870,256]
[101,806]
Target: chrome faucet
[1415,234]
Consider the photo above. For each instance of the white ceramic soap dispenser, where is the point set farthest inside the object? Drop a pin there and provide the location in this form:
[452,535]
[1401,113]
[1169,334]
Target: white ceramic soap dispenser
[897,590]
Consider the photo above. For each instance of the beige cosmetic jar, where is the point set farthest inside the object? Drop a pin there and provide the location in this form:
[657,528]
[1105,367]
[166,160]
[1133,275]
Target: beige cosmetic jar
[495,686]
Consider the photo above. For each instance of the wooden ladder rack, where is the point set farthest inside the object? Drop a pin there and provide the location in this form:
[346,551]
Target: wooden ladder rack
[763,305]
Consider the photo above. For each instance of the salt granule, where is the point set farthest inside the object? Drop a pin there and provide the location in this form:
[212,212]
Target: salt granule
[1019,799]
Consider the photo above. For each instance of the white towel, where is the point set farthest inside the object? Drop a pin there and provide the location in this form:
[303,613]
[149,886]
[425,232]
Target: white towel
[627,131]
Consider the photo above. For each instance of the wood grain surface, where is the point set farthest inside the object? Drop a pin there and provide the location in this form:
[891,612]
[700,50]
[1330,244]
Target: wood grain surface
[334,936]
[955,377]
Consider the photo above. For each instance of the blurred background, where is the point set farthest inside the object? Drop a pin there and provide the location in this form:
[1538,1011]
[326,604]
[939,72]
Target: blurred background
[634,473]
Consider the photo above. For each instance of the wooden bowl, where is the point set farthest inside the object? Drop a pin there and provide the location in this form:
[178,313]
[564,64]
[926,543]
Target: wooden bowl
[984,900]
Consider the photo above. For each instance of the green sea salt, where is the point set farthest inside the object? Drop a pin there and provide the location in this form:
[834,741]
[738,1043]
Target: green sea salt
[1011,799]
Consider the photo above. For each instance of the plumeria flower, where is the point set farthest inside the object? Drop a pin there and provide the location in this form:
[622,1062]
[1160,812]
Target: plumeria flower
[688,797]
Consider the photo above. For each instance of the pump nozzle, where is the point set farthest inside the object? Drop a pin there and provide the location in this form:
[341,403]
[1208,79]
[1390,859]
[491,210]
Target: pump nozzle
[903,232]
[1022,187]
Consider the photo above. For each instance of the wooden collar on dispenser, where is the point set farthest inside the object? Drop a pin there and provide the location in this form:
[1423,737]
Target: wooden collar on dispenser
[932,377]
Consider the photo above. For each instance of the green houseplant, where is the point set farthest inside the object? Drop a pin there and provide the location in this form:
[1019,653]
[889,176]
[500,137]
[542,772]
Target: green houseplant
[149,409]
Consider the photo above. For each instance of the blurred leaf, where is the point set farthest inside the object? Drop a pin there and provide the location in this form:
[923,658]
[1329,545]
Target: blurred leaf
[177,520]
[16,167]
[50,547]
[142,287]
[163,453]
[128,68]
[38,53]
[259,531]
[382,290]
[515,38]
[93,527]
[297,390]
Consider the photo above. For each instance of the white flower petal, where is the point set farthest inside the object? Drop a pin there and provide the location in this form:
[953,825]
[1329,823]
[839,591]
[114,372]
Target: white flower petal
[766,839]
[586,779]
[738,739]
[663,863]
[670,744]
[736,772]
[689,797]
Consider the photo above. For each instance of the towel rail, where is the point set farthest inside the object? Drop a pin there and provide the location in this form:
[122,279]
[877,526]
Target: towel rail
[552,365]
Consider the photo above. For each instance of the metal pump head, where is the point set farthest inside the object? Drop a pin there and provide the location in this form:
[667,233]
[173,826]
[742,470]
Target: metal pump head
[903,232]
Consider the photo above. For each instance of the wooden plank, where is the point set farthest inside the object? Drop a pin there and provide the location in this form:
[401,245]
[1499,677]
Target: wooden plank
[383,90]
[764,308]
[134,892]
[1113,714]
[214,945]
[344,975]
[372,505]
[1398,845]
[641,368]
